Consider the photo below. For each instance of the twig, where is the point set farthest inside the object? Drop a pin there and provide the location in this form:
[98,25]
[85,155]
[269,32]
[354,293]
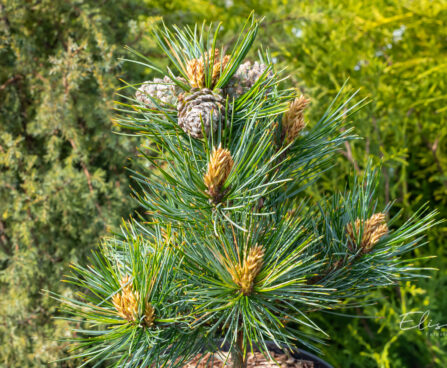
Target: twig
[433,147]
[9,81]
[384,171]
[349,156]
[434,150]
[89,179]
[4,239]
[365,324]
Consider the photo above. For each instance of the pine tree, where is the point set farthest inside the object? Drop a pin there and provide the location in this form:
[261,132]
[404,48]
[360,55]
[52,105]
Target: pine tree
[229,251]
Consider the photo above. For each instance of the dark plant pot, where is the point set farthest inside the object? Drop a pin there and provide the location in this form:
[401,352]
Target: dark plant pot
[299,355]
[303,355]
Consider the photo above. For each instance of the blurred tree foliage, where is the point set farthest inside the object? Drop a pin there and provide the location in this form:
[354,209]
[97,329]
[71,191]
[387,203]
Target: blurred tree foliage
[63,182]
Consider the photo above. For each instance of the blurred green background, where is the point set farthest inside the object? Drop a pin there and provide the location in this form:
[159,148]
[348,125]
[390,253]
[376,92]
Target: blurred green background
[63,182]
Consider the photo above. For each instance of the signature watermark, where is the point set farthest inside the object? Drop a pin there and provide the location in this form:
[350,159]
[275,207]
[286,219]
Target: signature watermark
[421,321]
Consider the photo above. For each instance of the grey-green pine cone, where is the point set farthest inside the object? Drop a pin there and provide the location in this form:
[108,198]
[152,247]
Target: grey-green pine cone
[200,106]
[245,77]
[164,91]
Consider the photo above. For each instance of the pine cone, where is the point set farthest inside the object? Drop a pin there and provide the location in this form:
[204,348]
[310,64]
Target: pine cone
[163,91]
[200,105]
[245,77]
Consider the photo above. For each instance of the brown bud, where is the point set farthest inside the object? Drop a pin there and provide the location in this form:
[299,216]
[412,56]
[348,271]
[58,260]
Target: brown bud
[244,274]
[293,119]
[219,168]
[371,229]
[126,304]
[197,68]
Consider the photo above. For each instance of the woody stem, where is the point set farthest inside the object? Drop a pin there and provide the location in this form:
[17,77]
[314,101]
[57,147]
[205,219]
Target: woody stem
[237,354]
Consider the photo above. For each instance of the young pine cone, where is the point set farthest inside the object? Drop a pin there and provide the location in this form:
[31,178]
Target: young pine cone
[164,91]
[219,168]
[200,106]
[196,69]
[126,304]
[371,230]
[244,275]
[245,77]
[293,120]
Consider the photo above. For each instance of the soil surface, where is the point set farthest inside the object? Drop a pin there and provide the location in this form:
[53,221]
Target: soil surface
[254,360]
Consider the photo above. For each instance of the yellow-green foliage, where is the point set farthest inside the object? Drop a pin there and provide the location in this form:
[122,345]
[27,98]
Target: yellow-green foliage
[394,51]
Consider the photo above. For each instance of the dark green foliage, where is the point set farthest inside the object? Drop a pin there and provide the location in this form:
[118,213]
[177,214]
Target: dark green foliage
[62,181]
[152,270]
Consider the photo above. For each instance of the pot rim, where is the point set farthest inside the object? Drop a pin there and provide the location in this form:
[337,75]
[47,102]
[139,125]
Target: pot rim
[297,353]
